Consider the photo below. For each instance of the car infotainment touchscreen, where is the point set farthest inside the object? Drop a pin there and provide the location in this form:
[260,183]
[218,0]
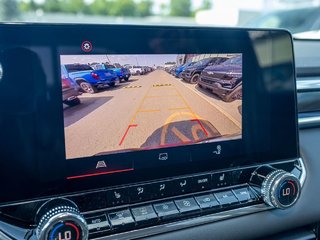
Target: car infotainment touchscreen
[143,102]
[86,107]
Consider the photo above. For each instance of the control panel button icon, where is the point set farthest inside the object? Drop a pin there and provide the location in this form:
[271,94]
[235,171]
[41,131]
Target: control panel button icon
[163,156]
[162,187]
[117,195]
[140,190]
[218,150]
[101,164]
[86,46]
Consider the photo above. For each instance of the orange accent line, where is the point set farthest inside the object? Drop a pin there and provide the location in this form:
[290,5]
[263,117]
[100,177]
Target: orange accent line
[185,102]
[140,105]
[179,108]
[149,110]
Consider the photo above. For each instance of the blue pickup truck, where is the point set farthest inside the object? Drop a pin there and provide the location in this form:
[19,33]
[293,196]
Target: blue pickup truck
[87,78]
[122,73]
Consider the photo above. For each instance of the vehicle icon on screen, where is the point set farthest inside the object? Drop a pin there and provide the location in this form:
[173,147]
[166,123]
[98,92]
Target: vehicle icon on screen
[163,156]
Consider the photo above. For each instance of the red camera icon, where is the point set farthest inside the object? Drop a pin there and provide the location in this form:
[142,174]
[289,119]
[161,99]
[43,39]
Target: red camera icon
[86,46]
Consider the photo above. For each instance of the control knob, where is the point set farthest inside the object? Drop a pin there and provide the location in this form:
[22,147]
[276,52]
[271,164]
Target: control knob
[60,219]
[279,189]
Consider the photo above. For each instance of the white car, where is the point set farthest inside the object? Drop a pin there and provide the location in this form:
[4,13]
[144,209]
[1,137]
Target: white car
[135,70]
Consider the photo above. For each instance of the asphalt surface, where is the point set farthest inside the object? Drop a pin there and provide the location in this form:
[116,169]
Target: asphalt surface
[148,111]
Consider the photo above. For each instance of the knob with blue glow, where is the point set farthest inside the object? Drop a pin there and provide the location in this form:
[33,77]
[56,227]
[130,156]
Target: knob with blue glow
[60,219]
[279,189]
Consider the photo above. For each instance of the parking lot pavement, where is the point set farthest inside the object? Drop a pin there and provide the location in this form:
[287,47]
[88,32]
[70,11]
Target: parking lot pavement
[152,110]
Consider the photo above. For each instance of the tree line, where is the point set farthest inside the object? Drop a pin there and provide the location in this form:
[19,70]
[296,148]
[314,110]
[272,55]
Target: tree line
[97,7]
[10,9]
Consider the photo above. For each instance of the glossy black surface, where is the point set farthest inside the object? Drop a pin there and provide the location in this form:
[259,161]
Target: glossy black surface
[32,155]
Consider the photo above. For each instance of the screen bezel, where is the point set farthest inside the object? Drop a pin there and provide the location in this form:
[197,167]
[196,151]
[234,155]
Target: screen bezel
[268,135]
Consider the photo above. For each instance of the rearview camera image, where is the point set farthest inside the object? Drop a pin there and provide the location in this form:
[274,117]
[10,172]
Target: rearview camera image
[117,103]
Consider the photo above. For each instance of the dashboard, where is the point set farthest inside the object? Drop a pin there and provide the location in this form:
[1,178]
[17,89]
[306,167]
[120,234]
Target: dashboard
[162,133]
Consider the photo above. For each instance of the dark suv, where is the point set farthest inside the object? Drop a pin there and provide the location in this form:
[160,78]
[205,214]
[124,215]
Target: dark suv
[225,80]
[192,73]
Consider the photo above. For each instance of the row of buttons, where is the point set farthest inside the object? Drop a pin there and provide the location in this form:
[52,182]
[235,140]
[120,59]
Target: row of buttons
[152,213]
[151,191]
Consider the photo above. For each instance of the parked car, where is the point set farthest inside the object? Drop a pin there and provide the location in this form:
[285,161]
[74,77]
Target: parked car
[145,69]
[70,91]
[135,70]
[192,73]
[97,66]
[149,69]
[122,73]
[173,70]
[182,67]
[87,78]
[224,80]
[169,66]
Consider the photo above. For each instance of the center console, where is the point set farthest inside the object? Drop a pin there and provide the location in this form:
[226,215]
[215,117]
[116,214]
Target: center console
[123,132]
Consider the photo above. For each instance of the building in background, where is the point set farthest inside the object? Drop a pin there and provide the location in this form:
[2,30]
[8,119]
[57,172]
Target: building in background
[238,12]
[185,58]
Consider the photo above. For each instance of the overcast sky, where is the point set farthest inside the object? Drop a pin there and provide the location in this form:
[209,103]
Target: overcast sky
[144,60]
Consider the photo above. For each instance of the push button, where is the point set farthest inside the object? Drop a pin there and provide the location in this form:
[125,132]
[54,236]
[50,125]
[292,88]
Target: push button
[183,185]
[243,194]
[207,201]
[221,179]
[144,214]
[187,205]
[98,224]
[117,197]
[166,209]
[163,189]
[226,198]
[141,193]
[202,182]
[121,219]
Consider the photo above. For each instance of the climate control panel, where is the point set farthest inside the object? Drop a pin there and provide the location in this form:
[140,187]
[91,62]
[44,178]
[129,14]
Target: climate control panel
[134,211]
